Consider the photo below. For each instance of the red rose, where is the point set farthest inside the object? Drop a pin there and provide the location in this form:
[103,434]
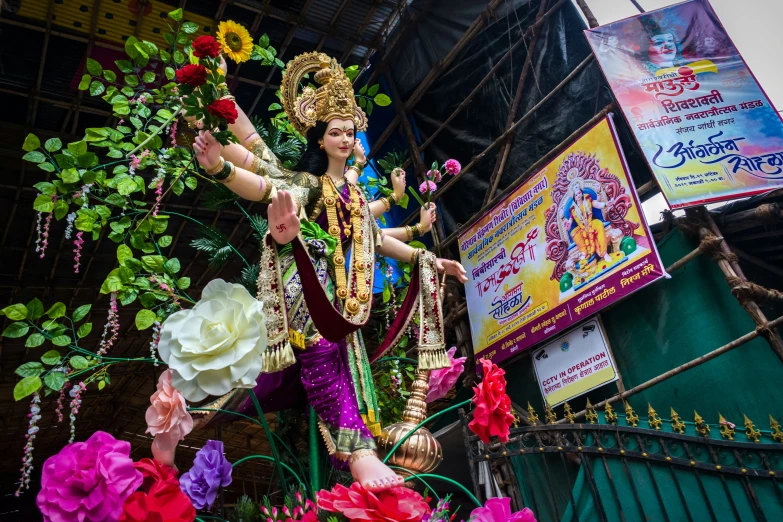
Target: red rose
[204,46]
[159,499]
[223,109]
[398,504]
[193,75]
[492,416]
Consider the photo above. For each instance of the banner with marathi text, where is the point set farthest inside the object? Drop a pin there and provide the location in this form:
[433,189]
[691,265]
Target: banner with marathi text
[706,127]
[567,243]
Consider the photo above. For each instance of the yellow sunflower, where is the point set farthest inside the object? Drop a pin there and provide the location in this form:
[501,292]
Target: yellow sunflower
[236,41]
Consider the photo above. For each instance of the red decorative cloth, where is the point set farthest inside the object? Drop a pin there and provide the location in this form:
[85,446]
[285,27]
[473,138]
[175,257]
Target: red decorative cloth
[193,75]
[204,46]
[492,416]
[160,498]
[225,109]
[398,504]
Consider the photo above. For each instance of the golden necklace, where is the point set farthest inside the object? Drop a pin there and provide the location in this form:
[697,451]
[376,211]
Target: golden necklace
[338,258]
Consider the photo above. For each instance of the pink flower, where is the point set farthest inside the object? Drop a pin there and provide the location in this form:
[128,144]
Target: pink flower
[88,481]
[452,166]
[427,186]
[499,510]
[168,418]
[434,175]
[441,381]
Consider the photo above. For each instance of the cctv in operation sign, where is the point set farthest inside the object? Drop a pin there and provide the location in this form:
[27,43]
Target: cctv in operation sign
[575,363]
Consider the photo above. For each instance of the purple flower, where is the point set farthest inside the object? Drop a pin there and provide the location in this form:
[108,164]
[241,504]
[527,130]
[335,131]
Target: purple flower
[210,471]
[88,481]
[452,166]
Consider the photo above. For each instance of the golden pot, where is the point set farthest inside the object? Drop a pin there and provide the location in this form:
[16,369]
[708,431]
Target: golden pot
[421,452]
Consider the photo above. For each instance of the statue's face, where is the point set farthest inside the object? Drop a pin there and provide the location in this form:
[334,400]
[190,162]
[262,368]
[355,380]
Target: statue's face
[662,49]
[339,139]
[578,196]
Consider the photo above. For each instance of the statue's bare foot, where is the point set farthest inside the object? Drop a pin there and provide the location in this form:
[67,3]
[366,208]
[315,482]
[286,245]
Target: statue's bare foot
[371,473]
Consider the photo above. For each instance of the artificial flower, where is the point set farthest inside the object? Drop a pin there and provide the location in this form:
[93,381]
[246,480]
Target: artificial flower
[168,418]
[225,109]
[210,471]
[88,481]
[236,41]
[427,186]
[492,416]
[206,46]
[499,510]
[160,498]
[398,504]
[452,166]
[215,346]
[434,175]
[441,381]
[193,75]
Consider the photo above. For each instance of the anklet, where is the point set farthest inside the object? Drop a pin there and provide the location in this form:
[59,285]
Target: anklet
[360,454]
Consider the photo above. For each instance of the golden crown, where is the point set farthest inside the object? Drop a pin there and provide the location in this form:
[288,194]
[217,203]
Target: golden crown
[333,99]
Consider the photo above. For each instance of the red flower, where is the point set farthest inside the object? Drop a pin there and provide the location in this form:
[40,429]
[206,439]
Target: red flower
[193,75]
[492,416]
[398,504]
[223,109]
[204,46]
[159,499]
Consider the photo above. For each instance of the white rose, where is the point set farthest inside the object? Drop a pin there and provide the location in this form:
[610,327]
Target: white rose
[216,346]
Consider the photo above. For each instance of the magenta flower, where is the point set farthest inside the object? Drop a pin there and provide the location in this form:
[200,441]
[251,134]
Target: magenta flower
[499,510]
[434,175]
[452,166]
[441,381]
[427,186]
[88,481]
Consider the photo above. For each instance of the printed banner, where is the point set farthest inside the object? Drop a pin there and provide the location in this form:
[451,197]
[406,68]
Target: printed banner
[574,364]
[706,127]
[567,243]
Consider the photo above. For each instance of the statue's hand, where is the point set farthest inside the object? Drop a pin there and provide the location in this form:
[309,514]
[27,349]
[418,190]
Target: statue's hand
[283,222]
[427,216]
[207,149]
[398,183]
[452,268]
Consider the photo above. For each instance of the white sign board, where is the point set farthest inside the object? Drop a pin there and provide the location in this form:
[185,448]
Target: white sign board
[575,363]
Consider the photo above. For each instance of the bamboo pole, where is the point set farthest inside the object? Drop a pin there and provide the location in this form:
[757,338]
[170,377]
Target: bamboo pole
[500,164]
[683,367]
[591,19]
[732,272]
[529,172]
[476,27]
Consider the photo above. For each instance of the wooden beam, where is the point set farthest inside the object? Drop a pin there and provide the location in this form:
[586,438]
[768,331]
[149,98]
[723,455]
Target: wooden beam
[370,14]
[591,19]
[500,163]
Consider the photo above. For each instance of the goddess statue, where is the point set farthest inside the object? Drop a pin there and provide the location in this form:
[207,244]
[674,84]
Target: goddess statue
[589,234]
[317,267]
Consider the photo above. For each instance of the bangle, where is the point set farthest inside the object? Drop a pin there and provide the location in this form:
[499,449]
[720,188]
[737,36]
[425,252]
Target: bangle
[408,232]
[360,164]
[231,174]
[355,168]
[386,205]
[417,229]
[225,172]
[393,198]
[254,144]
[217,168]
[414,256]
[267,188]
